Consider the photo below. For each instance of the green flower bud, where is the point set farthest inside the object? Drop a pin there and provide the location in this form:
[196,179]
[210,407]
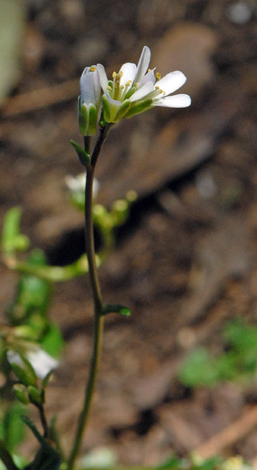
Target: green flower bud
[35,395]
[22,368]
[21,393]
[89,101]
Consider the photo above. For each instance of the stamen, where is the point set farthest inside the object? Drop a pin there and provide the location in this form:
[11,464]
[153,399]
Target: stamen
[158,76]
[109,87]
[120,73]
[92,69]
[114,74]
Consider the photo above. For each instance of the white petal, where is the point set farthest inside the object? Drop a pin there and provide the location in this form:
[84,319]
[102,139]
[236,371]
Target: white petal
[103,77]
[90,86]
[129,71]
[87,86]
[172,82]
[142,92]
[149,77]
[113,102]
[41,362]
[143,64]
[176,101]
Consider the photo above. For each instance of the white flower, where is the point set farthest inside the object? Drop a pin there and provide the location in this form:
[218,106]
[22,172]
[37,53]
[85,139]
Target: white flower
[135,89]
[76,185]
[41,362]
[89,100]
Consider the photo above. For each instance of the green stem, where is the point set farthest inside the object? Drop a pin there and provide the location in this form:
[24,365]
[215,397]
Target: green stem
[97,298]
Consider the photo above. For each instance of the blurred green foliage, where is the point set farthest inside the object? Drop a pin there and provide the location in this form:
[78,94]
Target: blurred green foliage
[237,363]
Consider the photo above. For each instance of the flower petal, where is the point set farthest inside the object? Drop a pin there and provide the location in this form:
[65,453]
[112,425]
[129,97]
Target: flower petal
[143,64]
[172,82]
[87,86]
[41,362]
[149,77]
[129,71]
[176,101]
[142,92]
[103,77]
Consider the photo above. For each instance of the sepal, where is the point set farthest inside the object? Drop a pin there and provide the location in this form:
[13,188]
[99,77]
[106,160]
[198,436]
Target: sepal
[138,108]
[21,393]
[109,109]
[35,395]
[24,372]
[123,110]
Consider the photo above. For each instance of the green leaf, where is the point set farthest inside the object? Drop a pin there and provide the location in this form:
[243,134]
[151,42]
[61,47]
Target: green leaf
[13,428]
[116,308]
[84,157]
[47,458]
[53,342]
[199,369]
[12,239]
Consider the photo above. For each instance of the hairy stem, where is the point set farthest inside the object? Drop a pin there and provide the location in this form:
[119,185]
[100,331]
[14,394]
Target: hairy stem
[97,298]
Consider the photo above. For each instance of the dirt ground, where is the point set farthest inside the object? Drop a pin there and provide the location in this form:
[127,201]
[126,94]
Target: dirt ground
[185,262]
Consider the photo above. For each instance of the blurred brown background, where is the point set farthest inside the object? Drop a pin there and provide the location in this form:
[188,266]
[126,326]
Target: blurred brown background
[186,260]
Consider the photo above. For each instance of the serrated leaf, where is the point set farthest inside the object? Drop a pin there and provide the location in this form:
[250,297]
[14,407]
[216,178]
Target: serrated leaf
[116,308]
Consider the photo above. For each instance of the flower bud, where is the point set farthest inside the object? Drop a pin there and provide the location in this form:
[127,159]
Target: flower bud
[89,100]
[21,393]
[35,395]
[22,368]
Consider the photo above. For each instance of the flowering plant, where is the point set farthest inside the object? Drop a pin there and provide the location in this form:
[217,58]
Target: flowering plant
[101,104]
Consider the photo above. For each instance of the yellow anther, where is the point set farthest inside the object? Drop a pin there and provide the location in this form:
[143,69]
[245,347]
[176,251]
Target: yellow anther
[92,68]
[114,74]
[129,83]
[122,87]
[121,73]
[158,76]
[149,70]
[109,87]
[157,88]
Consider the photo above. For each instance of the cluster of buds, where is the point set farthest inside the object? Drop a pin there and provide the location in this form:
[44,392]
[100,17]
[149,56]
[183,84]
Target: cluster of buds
[132,90]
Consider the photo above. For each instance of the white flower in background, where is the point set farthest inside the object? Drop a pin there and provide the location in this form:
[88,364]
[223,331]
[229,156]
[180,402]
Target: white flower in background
[41,362]
[135,89]
[89,100]
[76,185]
